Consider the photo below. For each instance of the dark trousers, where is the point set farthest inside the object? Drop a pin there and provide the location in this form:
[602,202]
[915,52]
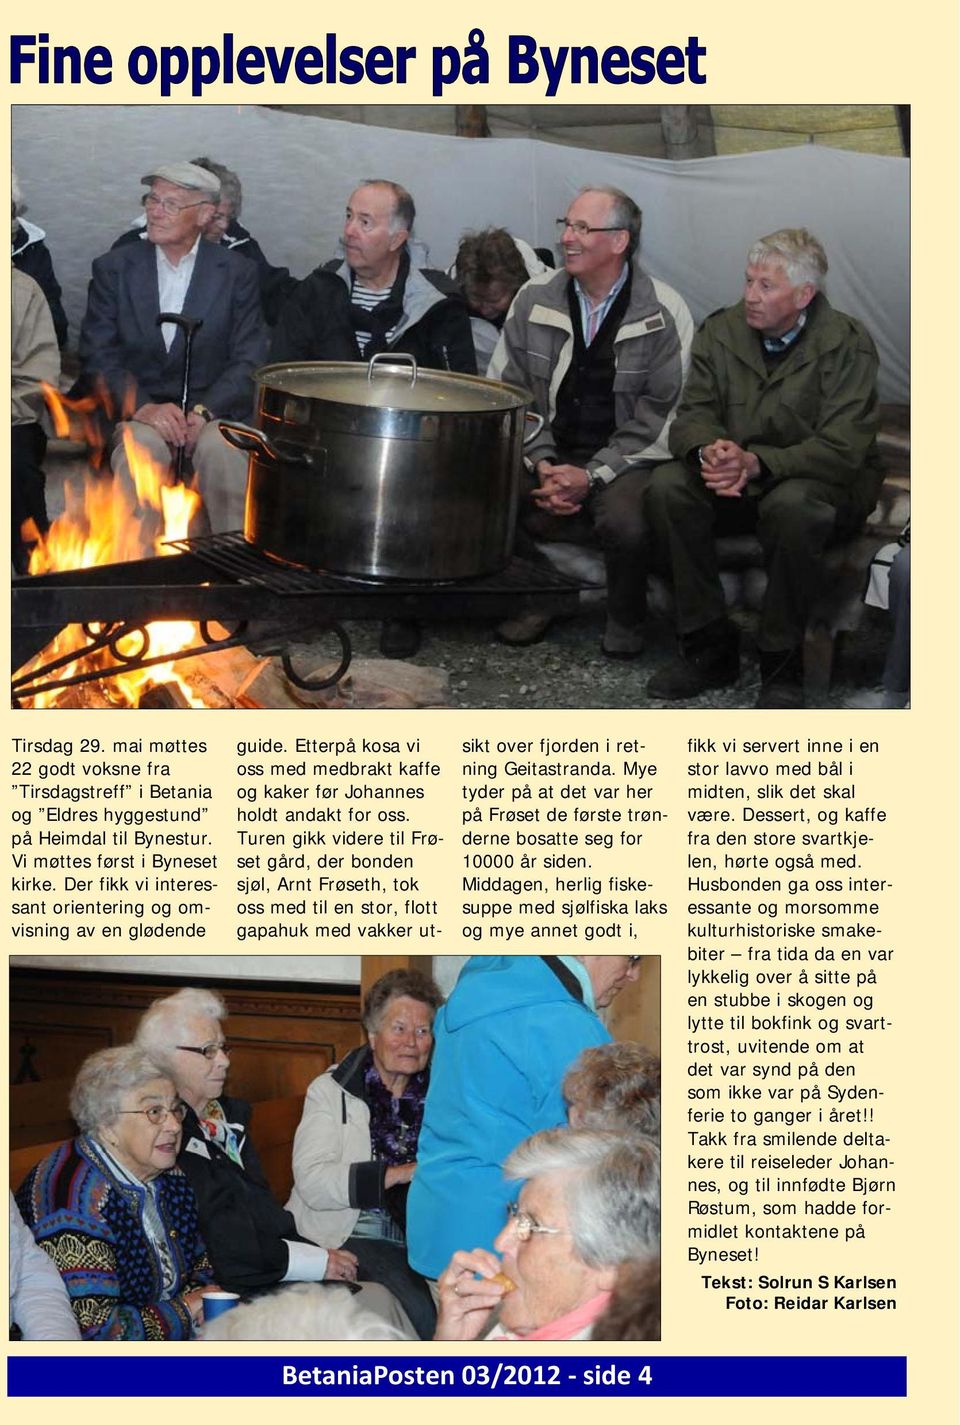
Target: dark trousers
[614,518]
[795,521]
[896,670]
[27,490]
[386,1263]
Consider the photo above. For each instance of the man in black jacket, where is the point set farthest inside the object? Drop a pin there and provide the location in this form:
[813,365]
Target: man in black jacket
[225,229]
[141,364]
[376,300]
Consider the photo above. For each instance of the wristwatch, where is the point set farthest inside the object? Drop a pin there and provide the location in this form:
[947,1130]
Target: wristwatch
[203,411]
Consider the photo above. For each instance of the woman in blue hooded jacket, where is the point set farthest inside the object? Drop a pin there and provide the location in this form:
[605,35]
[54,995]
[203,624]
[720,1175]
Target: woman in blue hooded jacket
[503,1041]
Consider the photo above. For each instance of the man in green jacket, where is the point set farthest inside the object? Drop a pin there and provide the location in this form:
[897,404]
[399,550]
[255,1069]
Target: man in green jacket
[776,432]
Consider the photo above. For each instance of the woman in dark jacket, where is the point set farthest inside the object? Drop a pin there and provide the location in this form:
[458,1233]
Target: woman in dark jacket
[31,255]
[253,1241]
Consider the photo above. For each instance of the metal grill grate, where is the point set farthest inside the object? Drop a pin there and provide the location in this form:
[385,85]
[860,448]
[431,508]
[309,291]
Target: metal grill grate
[230,554]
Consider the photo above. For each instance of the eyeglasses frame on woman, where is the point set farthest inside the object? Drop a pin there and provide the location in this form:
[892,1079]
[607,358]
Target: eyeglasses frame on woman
[157,1112]
[526,1226]
[209,1051]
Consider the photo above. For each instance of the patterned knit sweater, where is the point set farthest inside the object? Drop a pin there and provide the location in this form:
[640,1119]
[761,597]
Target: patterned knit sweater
[91,1225]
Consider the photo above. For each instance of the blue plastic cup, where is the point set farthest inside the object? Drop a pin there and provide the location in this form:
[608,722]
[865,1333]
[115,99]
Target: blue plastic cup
[215,1303]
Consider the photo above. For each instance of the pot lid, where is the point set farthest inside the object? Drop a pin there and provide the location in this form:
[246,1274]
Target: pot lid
[391,381]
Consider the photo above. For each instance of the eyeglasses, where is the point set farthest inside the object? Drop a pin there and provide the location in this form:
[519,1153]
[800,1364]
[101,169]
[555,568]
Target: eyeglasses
[157,1112]
[209,1051]
[525,1226]
[581,229]
[634,959]
[151,201]
[421,1031]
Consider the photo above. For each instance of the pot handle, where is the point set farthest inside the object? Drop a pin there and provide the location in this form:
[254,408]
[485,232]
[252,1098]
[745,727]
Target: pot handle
[393,357]
[537,421]
[254,442]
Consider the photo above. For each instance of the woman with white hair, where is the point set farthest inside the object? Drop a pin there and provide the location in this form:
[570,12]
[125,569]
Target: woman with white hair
[590,1201]
[253,1242]
[114,1212]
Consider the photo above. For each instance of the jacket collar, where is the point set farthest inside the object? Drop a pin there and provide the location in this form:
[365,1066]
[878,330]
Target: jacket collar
[350,1071]
[419,295]
[133,1193]
[26,234]
[821,334]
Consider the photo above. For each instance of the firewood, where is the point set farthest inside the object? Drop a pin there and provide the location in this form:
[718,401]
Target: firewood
[163,695]
[265,687]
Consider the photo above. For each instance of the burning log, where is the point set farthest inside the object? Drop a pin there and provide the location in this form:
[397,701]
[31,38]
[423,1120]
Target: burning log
[163,695]
[85,696]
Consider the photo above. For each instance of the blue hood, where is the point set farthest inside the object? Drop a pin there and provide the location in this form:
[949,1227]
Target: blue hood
[498,984]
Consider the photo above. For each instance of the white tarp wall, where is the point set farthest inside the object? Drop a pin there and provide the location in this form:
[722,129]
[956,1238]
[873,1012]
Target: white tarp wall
[79,168]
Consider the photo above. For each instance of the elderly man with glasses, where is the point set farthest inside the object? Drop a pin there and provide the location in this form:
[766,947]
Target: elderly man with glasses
[275,283]
[604,349]
[141,364]
[589,1204]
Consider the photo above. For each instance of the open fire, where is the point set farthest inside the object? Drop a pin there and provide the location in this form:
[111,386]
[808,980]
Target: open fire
[105,522]
[255,620]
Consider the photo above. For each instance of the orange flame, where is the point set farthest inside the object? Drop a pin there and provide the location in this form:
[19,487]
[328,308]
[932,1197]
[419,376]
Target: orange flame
[81,418]
[107,522]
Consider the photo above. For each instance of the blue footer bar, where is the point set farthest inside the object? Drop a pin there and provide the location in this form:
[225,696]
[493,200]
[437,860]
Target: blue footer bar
[524,1376]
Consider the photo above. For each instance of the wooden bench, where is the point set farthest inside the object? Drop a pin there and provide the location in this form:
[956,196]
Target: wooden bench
[23,1159]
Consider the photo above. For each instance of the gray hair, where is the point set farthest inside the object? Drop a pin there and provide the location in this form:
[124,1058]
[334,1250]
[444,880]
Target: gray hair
[231,190]
[613,1192]
[797,251]
[404,213]
[408,984]
[105,1079]
[17,204]
[164,1023]
[616,1086]
[624,212]
[307,1311]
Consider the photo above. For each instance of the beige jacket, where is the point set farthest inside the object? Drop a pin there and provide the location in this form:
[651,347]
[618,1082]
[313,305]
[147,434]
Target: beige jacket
[334,1134]
[34,354]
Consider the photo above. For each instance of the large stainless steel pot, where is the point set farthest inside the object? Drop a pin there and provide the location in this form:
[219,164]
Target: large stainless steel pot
[383,471]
